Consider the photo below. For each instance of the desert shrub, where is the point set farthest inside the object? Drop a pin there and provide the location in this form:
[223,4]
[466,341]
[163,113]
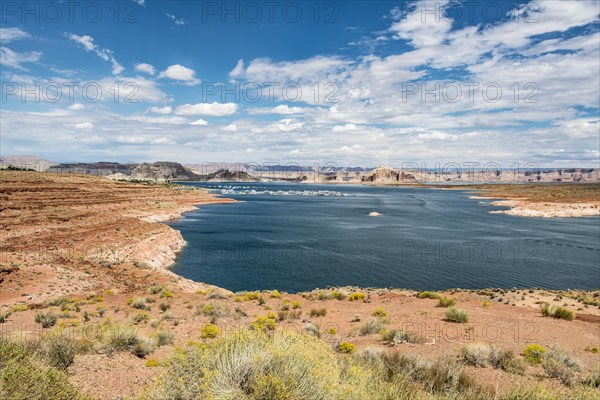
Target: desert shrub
[295,314]
[251,296]
[445,302]
[216,294]
[164,338]
[507,361]
[428,295]
[140,304]
[275,294]
[476,354]
[486,304]
[152,362]
[215,309]
[533,353]
[557,312]
[318,312]
[338,295]
[593,379]
[558,364]
[59,350]
[439,378]
[164,306]
[166,294]
[264,324]
[296,305]
[379,312]
[311,329]
[121,337]
[346,348]
[370,327]
[25,374]
[140,317]
[250,365]
[357,296]
[395,337]
[209,331]
[46,319]
[592,349]
[143,347]
[331,330]
[156,289]
[321,295]
[101,311]
[457,315]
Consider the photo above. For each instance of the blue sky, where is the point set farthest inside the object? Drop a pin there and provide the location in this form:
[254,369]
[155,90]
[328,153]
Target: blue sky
[366,83]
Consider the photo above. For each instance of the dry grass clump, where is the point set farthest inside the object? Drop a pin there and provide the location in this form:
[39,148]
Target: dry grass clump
[395,337]
[457,315]
[318,312]
[557,312]
[46,319]
[445,302]
[372,326]
[113,338]
[27,373]
[560,365]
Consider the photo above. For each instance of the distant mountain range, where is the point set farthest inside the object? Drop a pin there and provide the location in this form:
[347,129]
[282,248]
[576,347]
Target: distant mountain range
[162,171]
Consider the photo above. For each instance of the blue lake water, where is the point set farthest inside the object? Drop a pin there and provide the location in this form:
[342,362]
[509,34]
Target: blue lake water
[294,238]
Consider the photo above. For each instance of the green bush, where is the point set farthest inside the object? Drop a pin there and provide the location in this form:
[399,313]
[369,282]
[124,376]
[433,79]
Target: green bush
[59,350]
[476,354]
[346,348]
[120,337]
[28,375]
[140,304]
[557,312]
[457,315]
[164,338]
[371,326]
[428,295]
[445,302]
[46,319]
[533,353]
[357,296]
[379,312]
[209,331]
[320,312]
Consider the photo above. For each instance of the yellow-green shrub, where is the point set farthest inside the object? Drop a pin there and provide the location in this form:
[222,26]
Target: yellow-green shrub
[346,348]
[209,331]
[534,353]
[357,296]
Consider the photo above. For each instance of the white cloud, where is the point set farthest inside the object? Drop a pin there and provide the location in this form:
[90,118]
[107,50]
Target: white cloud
[147,68]
[161,110]
[171,120]
[11,34]
[230,128]
[13,59]
[199,122]
[180,73]
[76,107]
[283,109]
[238,70]
[209,109]
[178,21]
[107,55]
[83,125]
[287,125]
[141,2]
[344,128]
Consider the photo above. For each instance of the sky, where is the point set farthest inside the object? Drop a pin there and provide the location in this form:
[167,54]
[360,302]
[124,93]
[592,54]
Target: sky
[355,83]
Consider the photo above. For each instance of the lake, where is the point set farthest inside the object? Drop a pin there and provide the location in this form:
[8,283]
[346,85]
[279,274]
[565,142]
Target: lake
[298,237]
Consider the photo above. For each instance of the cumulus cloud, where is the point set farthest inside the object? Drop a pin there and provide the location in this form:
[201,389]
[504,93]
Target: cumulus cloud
[238,70]
[180,73]
[147,68]
[280,109]
[199,122]
[208,109]
[344,128]
[161,110]
[76,107]
[230,128]
[87,42]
